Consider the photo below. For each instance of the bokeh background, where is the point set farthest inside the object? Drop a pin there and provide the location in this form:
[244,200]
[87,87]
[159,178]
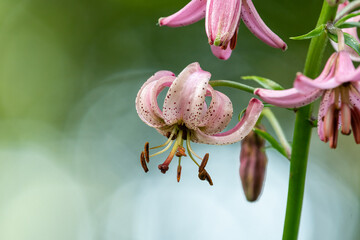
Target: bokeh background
[70,138]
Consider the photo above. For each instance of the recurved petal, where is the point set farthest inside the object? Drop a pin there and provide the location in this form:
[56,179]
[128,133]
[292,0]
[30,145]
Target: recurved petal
[218,115]
[305,84]
[222,20]
[354,95]
[289,98]
[326,101]
[191,13]
[186,97]
[221,53]
[257,26]
[345,70]
[145,102]
[241,130]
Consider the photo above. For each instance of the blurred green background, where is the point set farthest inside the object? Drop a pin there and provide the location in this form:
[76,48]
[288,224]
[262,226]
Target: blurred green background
[70,137]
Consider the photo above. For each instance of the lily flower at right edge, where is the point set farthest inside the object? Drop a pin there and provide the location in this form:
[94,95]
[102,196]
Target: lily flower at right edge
[339,86]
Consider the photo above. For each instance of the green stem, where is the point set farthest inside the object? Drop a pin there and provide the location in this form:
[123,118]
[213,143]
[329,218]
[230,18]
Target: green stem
[302,133]
[232,84]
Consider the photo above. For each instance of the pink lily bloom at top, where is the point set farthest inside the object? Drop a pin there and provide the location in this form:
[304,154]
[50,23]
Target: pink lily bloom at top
[339,86]
[352,31]
[186,116]
[222,19]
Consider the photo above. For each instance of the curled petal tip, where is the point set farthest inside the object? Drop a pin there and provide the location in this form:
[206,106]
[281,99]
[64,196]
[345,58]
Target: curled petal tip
[284,47]
[256,91]
[221,53]
[160,22]
[256,101]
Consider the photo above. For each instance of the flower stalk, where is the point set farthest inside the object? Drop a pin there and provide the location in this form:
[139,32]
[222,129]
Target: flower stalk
[302,132]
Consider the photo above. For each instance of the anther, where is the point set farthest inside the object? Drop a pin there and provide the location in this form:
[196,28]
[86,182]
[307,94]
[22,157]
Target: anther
[204,162]
[334,133]
[143,162]
[355,124]
[178,173]
[208,178]
[204,175]
[233,40]
[345,119]
[146,152]
[223,47]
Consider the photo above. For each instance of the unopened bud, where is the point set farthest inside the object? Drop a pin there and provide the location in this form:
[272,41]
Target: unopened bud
[252,165]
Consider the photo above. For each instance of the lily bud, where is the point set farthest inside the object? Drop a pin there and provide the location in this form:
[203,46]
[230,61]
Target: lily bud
[252,165]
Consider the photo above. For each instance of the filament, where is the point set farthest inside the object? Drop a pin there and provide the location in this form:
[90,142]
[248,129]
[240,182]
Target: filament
[169,139]
[164,150]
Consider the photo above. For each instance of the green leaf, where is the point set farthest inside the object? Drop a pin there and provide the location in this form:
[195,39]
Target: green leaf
[349,40]
[264,82]
[314,33]
[343,19]
[349,25]
[272,141]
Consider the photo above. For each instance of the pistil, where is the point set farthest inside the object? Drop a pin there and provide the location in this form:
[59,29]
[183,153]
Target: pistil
[345,111]
[178,143]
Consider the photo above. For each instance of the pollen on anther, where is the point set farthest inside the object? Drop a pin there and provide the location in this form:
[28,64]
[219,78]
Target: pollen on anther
[178,175]
[204,162]
[143,162]
[146,152]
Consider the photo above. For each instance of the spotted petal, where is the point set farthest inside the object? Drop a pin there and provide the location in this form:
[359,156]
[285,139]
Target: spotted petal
[218,115]
[146,99]
[191,13]
[185,99]
[326,101]
[289,98]
[257,26]
[354,95]
[241,130]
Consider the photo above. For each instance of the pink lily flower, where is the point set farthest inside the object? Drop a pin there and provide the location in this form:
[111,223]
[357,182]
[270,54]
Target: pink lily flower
[339,86]
[352,31]
[222,19]
[186,116]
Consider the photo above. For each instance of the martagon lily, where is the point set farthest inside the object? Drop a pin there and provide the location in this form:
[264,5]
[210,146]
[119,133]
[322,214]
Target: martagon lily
[339,86]
[185,115]
[222,19]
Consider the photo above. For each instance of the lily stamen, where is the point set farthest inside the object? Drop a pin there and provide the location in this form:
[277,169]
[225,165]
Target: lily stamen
[178,175]
[146,152]
[164,150]
[204,162]
[345,111]
[169,139]
[143,162]
[189,147]
[190,152]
